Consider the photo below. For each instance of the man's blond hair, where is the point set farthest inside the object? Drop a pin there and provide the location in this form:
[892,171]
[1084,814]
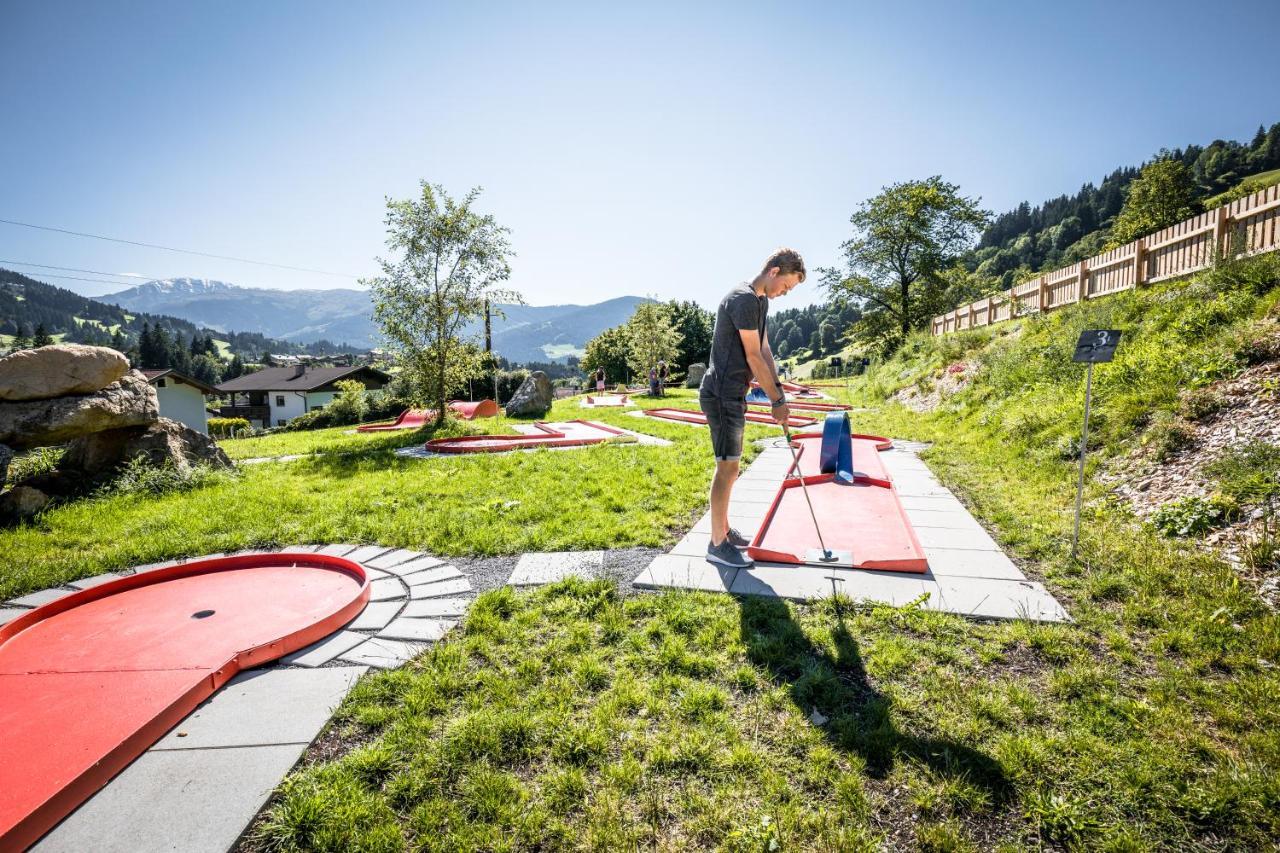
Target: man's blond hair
[787,261]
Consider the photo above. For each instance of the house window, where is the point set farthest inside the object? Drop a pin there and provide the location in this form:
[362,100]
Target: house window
[159,383]
[279,401]
[280,422]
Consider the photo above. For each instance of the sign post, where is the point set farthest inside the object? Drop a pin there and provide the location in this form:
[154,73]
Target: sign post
[1095,346]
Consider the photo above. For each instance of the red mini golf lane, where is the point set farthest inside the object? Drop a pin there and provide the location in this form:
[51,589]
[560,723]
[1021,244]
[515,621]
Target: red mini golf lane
[863,518]
[90,681]
[418,418]
[690,417]
[590,432]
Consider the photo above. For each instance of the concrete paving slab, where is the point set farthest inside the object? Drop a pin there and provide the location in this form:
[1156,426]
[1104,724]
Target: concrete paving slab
[961,539]
[950,519]
[151,567]
[44,596]
[436,607]
[340,550]
[96,580]
[439,589]
[303,549]
[942,502]
[416,565]
[387,589]
[375,574]
[998,599]
[383,654]
[673,570]
[695,543]
[375,616]
[8,614]
[812,582]
[393,558]
[247,711]
[318,654]
[194,801]
[440,573]
[416,628]
[365,553]
[952,562]
[541,568]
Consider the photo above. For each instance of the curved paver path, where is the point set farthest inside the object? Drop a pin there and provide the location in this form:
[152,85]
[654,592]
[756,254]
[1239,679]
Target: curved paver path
[202,784]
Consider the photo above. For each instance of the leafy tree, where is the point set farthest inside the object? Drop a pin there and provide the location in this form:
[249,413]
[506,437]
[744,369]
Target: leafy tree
[828,338]
[903,239]
[207,369]
[608,350]
[651,337]
[1164,194]
[351,405]
[695,325]
[452,260]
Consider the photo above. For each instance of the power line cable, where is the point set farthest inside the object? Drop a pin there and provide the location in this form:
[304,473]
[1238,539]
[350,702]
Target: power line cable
[172,249]
[76,269]
[81,278]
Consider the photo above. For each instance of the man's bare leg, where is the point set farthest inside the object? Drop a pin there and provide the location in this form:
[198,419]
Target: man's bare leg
[721,489]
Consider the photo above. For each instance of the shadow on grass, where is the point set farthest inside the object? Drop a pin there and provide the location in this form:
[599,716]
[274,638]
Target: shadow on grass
[859,715]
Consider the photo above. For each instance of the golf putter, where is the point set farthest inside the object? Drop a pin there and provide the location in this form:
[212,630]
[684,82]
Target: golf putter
[821,555]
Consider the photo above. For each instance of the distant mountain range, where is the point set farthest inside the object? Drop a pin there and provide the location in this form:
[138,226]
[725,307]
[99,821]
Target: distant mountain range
[526,333]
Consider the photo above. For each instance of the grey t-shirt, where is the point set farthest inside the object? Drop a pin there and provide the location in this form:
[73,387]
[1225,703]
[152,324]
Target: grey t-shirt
[728,375]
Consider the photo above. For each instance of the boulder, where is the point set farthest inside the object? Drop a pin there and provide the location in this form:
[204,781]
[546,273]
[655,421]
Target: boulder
[130,401]
[21,502]
[58,370]
[97,456]
[6,456]
[696,370]
[533,397]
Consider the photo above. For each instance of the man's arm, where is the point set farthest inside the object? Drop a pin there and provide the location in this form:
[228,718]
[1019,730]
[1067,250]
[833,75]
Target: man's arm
[760,360]
[773,365]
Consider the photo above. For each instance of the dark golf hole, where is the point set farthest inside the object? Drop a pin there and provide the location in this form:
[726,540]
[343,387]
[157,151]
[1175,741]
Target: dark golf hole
[202,614]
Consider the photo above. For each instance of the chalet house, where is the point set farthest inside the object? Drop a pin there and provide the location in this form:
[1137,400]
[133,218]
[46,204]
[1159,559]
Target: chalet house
[276,395]
[181,397]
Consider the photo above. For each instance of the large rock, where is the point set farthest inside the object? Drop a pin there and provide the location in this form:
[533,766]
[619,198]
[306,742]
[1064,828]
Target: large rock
[534,396]
[58,370]
[696,370]
[21,502]
[96,456]
[39,423]
[6,456]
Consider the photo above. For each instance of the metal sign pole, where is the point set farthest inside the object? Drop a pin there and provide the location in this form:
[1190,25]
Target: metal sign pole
[1084,446]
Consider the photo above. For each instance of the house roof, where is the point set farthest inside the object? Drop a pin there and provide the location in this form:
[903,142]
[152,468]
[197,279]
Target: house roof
[288,378]
[153,375]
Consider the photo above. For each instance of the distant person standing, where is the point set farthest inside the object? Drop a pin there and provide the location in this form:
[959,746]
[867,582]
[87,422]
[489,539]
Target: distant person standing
[664,373]
[653,381]
[599,380]
[740,351]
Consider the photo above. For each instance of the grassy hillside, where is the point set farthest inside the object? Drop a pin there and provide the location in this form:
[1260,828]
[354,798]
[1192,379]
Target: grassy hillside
[1251,184]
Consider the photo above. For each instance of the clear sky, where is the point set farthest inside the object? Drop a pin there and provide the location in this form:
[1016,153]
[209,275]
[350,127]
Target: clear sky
[654,149]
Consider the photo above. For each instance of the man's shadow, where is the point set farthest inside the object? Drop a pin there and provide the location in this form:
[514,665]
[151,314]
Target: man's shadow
[859,719]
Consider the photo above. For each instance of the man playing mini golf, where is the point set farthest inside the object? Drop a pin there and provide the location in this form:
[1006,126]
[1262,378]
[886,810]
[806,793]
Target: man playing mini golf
[739,351]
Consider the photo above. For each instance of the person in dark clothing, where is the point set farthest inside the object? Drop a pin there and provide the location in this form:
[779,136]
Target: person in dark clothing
[600,380]
[740,351]
[664,373]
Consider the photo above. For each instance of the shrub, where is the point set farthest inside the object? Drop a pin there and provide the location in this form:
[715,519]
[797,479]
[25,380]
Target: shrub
[350,406]
[1199,403]
[1194,515]
[139,477]
[1250,474]
[1167,435]
[41,460]
[228,427]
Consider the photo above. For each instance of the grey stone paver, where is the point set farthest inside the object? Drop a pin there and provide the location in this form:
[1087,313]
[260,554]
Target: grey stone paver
[8,614]
[810,582]
[384,654]
[962,539]
[337,550]
[440,573]
[439,588]
[375,616]
[96,580]
[151,567]
[387,589]
[318,654]
[672,570]
[541,568]
[993,598]
[952,562]
[365,553]
[436,607]
[44,596]
[194,801]
[415,565]
[417,629]
[393,558]
[247,711]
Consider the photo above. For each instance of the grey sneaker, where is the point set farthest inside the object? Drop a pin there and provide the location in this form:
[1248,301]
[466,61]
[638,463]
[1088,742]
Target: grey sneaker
[737,539]
[726,555]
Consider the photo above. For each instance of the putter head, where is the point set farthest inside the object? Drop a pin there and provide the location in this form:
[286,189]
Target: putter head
[830,557]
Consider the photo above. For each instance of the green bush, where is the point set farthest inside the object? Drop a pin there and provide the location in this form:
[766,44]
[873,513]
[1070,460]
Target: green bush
[140,477]
[1168,435]
[41,460]
[1197,404]
[1249,474]
[228,427]
[1194,515]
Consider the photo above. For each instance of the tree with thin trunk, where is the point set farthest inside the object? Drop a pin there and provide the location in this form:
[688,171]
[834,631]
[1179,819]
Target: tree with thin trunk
[651,337]
[904,238]
[451,260]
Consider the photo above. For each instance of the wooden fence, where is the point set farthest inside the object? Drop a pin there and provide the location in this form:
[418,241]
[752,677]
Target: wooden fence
[1244,227]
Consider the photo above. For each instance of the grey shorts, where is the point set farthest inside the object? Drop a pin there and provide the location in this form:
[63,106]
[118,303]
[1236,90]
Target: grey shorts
[727,419]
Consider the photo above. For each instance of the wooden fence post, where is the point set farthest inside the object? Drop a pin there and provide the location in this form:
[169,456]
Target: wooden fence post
[1082,286]
[1219,234]
[1139,261]
[991,314]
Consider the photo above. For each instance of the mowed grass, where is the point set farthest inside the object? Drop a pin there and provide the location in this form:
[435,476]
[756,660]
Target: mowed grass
[608,496]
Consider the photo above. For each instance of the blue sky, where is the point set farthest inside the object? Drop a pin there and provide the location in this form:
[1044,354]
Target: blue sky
[658,149]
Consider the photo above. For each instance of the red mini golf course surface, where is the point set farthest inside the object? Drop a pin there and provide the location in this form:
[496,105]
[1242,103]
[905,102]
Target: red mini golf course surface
[90,681]
[591,432]
[699,418]
[805,406]
[863,518]
[609,400]
[418,418]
